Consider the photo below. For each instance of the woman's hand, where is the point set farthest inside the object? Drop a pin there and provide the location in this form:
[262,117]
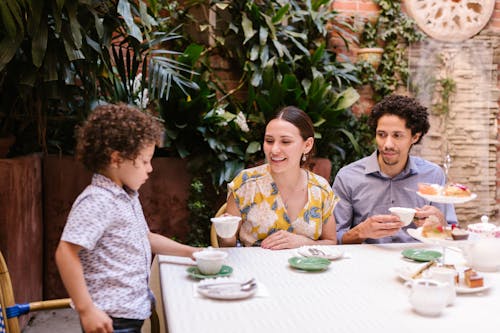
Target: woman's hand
[283,240]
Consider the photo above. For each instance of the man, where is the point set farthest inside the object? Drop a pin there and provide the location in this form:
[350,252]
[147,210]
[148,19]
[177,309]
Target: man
[389,177]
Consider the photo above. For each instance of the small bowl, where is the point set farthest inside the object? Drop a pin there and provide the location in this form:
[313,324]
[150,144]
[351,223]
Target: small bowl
[226,226]
[405,214]
[209,262]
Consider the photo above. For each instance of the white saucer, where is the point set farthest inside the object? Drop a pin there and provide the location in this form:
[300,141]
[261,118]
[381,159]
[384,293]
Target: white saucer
[327,252]
[224,288]
[406,272]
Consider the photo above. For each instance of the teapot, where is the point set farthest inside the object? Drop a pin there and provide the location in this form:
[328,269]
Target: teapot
[483,254]
[428,297]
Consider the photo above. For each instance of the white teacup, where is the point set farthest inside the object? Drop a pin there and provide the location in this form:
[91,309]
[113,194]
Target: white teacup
[428,297]
[209,262]
[446,275]
[226,226]
[405,214]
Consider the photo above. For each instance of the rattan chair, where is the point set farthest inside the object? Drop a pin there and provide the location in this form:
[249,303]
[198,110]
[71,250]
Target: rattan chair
[10,311]
[213,235]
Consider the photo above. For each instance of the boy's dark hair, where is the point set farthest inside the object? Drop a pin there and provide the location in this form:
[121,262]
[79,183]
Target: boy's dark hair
[407,108]
[114,127]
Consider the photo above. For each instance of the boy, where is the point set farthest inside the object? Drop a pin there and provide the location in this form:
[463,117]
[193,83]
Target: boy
[104,255]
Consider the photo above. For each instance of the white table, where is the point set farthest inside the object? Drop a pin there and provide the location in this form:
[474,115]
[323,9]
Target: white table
[362,293]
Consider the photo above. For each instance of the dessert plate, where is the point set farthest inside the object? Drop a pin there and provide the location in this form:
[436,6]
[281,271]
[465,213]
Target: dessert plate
[406,272]
[311,264]
[421,255]
[226,288]
[194,272]
[447,199]
[326,252]
[417,234]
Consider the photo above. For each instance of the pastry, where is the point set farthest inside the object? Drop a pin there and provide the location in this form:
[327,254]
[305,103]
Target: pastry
[459,234]
[456,190]
[432,228]
[472,279]
[429,189]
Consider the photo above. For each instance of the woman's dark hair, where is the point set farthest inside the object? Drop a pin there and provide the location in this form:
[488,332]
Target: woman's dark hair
[407,108]
[301,120]
[111,128]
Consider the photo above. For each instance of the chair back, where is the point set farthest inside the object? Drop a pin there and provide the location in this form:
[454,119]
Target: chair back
[213,234]
[11,325]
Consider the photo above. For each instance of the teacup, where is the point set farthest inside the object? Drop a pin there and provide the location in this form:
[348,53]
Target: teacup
[446,275]
[428,297]
[226,226]
[209,262]
[405,214]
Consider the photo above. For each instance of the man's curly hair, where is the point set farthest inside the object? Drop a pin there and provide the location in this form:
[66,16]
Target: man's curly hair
[112,128]
[407,108]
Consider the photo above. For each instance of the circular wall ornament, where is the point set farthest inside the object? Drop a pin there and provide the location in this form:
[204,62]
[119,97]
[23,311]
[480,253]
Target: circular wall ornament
[451,20]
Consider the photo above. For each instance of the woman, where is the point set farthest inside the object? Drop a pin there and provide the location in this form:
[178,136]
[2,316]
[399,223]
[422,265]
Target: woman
[283,205]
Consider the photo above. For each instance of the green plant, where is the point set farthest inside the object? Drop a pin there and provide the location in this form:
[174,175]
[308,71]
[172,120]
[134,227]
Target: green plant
[446,87]
[394,31]
[282,50]
[59,58]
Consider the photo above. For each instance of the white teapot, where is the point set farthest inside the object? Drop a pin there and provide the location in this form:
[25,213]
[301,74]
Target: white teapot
[483,254]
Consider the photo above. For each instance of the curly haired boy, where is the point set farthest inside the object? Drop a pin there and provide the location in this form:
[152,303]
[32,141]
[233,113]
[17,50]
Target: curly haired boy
[105,250]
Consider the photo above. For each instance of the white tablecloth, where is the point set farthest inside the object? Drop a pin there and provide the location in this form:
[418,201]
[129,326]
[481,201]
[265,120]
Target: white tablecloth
[362,293]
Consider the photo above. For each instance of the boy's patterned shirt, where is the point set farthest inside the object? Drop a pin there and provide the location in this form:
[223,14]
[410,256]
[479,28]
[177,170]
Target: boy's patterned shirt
[108,222]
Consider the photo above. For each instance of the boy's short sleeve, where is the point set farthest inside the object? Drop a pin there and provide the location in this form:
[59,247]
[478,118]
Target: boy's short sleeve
[87,221]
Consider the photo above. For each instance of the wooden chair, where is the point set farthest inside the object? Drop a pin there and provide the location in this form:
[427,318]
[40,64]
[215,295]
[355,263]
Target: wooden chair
[213,235]
[10,310]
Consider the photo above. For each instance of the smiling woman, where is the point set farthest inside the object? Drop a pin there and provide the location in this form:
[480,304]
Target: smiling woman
[282,204]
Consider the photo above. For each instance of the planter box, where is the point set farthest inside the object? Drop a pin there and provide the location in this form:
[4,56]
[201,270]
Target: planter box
[164,199]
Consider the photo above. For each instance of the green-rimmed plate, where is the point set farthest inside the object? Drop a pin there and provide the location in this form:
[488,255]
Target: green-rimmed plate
[421,255]
[195,272]
[311,264]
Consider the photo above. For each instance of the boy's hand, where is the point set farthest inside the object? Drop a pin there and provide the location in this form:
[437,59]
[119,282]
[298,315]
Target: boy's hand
[96,321]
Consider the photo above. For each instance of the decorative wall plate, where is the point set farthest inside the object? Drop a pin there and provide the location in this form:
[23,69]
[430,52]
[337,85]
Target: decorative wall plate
[451,21]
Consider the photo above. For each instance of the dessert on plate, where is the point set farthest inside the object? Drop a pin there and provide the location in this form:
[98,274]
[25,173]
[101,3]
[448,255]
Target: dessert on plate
[456,190]
[432,228]
[459,234]
[429,189]
[473,279]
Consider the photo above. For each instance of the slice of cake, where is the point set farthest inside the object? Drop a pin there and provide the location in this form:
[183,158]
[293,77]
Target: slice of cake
[472,279]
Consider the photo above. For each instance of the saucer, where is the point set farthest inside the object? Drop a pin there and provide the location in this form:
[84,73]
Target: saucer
[225,288]
[421,255]
[311,264]
[194,272]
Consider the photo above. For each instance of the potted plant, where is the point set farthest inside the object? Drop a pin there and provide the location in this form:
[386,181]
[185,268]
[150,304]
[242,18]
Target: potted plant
[370,49]
[393,31]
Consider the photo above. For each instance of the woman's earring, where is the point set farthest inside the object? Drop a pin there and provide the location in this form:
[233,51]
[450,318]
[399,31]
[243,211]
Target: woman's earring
[304,157]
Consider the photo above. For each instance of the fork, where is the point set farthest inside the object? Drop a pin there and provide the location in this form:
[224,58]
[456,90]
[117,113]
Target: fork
[242,285]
